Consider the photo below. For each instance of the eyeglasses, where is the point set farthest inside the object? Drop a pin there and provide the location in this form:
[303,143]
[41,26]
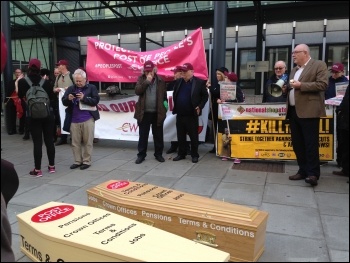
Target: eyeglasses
[296,52]
[279,68]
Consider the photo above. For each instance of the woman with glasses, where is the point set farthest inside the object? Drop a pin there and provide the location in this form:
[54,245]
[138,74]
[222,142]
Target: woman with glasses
[273,91]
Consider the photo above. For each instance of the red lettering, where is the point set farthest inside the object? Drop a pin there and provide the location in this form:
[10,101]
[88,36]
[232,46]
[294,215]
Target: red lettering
[114,107]
[133,127]
[102,107]
[131,105]
[123,106]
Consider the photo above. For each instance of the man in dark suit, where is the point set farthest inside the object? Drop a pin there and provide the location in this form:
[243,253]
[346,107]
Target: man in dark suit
[305,107]
[190,96]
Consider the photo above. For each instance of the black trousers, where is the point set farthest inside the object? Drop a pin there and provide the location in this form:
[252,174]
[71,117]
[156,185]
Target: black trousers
[40,128]
[345,150]
[150,119]
[305,139]
[11,116]
[23,123]
[187,125]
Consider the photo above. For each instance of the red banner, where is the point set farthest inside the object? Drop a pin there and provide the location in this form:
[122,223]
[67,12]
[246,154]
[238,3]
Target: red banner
[110,63]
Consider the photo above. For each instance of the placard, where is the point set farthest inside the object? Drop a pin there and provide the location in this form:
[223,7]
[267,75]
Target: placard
[227,91]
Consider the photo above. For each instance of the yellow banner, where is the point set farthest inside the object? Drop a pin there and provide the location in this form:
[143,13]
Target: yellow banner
[260,131]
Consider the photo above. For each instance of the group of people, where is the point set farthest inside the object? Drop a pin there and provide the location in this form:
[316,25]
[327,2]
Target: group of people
[305,91]
[81,122]
[190,96]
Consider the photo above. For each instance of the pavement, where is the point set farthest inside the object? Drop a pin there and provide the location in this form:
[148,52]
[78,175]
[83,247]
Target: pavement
[305,223]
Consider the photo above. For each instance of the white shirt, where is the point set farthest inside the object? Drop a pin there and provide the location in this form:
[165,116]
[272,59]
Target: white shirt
[296,77]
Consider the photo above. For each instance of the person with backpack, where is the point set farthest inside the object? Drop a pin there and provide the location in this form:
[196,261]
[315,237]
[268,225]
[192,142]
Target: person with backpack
[37,92]
[63,81]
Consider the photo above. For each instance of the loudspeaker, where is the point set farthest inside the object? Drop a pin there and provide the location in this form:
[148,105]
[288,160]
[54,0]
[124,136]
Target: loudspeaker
[276,88]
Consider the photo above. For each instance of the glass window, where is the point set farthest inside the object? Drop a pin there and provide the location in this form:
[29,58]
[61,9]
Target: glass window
[315,52]
[247,57]
[338,54]
[228,60]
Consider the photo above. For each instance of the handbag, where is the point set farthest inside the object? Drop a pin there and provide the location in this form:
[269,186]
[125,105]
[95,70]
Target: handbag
[83,106]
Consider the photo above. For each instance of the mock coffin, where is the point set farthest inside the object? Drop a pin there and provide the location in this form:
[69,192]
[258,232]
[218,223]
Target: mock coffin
[235,229]
[57,232]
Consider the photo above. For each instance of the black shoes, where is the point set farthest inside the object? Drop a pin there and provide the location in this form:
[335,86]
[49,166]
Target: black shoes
[84,166]
[195,159]
[311,180]
[60,142]
[213,150]
[74,166]
[297,177]
[139,160]
[160,159]
[178,158]
[171,150]
[341,173]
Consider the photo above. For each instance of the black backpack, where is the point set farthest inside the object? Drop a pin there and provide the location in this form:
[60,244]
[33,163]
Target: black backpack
[38,102]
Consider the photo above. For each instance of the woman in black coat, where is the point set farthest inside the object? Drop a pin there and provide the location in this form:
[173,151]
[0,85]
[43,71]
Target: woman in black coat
[39,128]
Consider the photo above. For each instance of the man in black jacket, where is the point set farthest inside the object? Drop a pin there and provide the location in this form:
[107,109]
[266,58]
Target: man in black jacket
[175,144]
[343,115]
[190,96]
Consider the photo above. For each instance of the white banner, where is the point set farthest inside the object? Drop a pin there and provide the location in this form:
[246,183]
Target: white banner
[117,119]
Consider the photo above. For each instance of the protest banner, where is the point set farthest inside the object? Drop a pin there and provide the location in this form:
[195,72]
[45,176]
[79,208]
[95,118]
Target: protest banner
[109,63]
[117,119]
[260,131]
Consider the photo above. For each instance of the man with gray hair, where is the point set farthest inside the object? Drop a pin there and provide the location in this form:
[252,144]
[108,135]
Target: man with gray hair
[305,106]
[150,109]
[82,127]
[279,74]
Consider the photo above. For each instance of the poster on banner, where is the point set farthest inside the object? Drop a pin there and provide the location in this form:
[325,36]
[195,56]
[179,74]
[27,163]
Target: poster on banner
[340,88]
[117,119]
[110,63]
[227,91]
[226,111]
[261,131]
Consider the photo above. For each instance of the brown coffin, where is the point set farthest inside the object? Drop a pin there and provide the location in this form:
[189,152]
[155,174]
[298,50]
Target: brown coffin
[235,229]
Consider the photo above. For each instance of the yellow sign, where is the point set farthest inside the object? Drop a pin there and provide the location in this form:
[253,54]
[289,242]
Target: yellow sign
[260,131]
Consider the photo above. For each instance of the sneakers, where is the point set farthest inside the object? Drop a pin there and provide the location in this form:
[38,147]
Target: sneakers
[36,173]
[51,169]
[223,159]
[236,161]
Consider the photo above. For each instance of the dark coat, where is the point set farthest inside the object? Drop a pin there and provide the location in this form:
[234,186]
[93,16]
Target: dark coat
[140,90]
[199,94]
[343,112]
[331,91]
[91,98]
